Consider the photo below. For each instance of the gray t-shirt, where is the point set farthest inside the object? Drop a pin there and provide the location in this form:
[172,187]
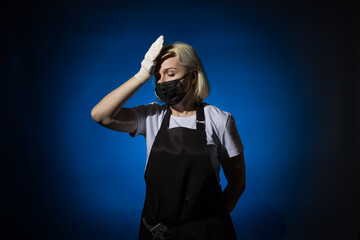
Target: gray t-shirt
[221,134]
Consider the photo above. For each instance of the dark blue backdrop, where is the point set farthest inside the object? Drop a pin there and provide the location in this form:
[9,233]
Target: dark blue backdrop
[286,71]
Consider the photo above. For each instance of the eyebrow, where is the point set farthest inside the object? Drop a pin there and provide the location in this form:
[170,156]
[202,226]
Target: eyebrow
[170,68]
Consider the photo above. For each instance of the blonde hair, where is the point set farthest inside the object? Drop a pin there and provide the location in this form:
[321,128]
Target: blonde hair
[188,57]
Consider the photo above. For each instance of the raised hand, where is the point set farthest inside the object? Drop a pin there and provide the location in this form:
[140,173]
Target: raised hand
[147,65]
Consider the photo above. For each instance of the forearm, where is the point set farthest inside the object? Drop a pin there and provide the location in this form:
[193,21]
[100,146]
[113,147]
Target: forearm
[112,103]
[232,193]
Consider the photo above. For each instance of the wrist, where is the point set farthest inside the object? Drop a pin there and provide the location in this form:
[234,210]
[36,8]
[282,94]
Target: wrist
[143,76]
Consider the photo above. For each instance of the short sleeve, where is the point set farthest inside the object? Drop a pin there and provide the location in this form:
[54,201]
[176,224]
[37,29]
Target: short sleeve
[140,113]
[230,139]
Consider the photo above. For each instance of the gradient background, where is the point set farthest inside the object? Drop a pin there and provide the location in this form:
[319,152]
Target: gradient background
[288,72]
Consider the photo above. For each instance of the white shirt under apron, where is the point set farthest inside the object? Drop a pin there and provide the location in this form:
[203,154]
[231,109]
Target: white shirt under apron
[222,137]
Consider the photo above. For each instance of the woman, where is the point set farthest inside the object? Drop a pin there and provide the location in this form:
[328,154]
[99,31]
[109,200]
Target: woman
[186,142]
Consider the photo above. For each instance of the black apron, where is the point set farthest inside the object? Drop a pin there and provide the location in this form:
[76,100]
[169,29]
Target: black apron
[182,190]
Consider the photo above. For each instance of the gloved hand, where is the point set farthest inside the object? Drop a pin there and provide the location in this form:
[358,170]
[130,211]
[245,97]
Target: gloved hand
[147,65]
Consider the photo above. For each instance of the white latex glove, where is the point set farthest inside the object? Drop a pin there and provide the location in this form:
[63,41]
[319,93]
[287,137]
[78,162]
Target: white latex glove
[147,65]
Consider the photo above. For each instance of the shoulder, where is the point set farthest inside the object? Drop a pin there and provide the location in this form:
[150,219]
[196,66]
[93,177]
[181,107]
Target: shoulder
[216,114]
[149,117]
[216,119]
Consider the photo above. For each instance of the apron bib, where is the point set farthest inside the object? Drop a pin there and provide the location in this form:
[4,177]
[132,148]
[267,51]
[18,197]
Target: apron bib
[182,191]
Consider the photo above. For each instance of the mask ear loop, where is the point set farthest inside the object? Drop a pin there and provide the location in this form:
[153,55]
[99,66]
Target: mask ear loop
[192,84]
[189,88]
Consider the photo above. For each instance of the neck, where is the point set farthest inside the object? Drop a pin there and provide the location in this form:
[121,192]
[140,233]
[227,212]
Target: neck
[184,109]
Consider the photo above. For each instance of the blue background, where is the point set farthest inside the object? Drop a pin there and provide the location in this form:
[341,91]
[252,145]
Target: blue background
[286,71]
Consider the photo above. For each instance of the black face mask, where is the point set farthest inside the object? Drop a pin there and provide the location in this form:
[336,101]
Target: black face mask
[171,92]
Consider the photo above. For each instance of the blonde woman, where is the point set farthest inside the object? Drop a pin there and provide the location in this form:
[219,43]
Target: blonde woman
[186,140]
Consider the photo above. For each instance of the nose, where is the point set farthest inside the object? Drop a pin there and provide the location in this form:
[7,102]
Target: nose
[161,79]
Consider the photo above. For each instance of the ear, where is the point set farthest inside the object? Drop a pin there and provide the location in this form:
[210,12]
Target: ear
[194,76]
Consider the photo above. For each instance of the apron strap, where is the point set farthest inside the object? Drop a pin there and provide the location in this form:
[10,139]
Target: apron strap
[166,120]
[200,117]
[200,122]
